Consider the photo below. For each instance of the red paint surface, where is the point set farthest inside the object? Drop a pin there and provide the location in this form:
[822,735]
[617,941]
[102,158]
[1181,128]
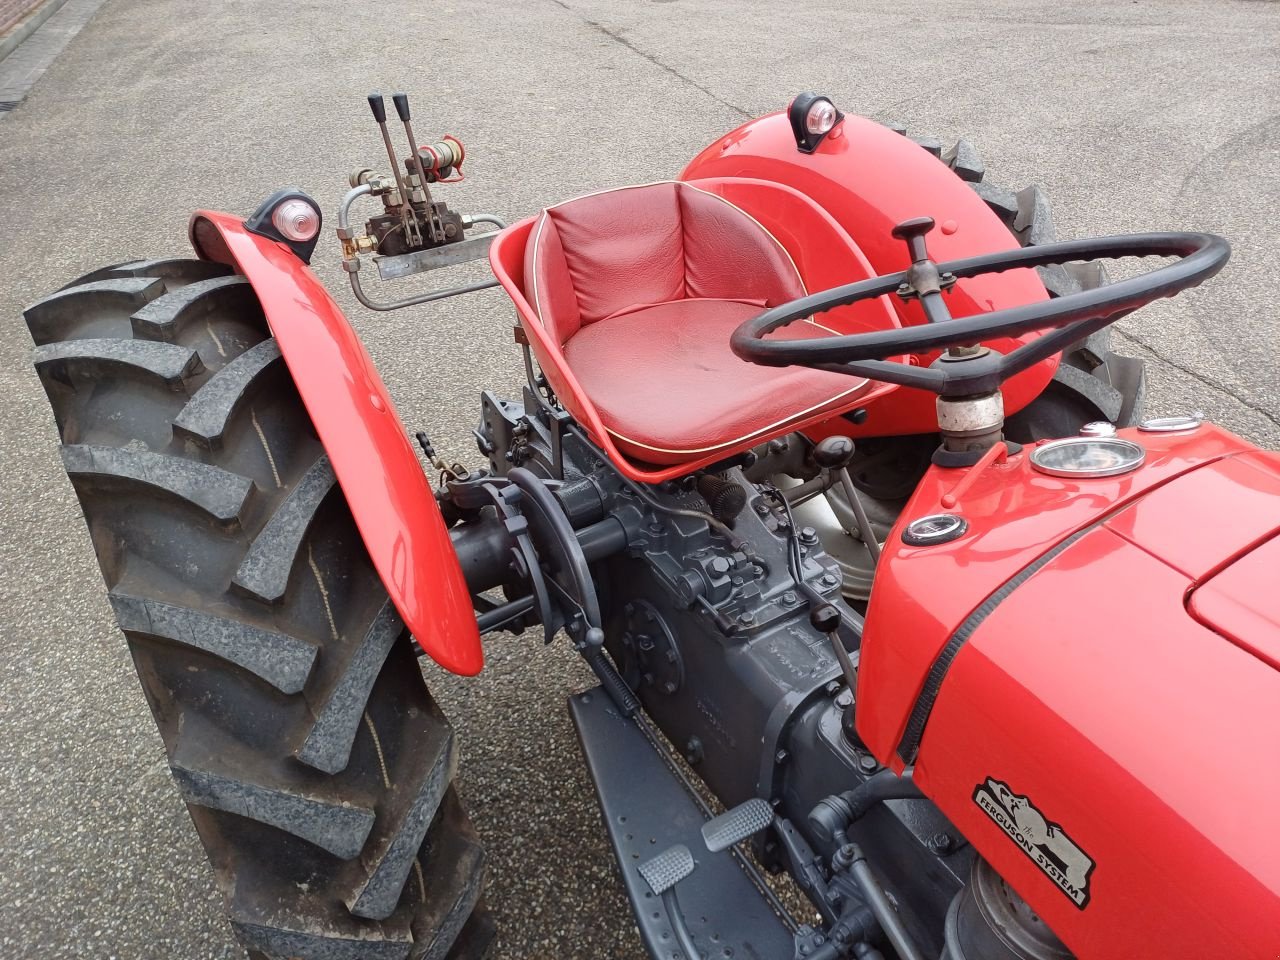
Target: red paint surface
[389,495]
[1243,602]
[869,179]
[1092,690]
[824,255]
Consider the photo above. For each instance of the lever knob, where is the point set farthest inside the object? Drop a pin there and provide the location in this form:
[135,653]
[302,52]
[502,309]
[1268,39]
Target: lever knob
[378,106]
[401,100]
[833,452]
[913,232]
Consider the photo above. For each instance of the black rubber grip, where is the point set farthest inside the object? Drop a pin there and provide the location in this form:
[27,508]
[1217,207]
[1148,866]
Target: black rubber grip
[401,100]
[378,106]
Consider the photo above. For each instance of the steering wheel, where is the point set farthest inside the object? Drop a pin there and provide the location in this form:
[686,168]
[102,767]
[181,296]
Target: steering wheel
[1069,318]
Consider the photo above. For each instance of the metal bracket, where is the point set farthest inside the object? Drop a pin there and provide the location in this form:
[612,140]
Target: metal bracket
[437,258]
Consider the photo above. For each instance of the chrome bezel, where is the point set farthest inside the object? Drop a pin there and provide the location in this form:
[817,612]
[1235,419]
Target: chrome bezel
[1183,423]
[1133,457]
[1098,428]
[955,528]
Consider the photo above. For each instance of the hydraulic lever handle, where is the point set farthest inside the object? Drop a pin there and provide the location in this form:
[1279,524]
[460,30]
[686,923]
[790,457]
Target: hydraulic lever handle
[379,108]
[401,100]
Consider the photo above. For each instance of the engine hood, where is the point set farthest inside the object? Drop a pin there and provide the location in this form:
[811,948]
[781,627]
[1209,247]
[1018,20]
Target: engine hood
[1242,602]
[1087,685]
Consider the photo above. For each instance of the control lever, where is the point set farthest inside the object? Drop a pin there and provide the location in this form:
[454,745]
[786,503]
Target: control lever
[835,453]
[379,108]
[401,101]
[662,873]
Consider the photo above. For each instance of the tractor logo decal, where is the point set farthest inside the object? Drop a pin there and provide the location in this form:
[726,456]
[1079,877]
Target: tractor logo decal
[1046,843]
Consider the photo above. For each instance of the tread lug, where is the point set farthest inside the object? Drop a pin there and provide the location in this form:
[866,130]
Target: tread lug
[281,660]
[1003,202]
[205,417]
[165,361]
[210,772]
[392,851]
[53,317]
[217,492]
[163,318]
[964,159]
[1034,222]
[328,743]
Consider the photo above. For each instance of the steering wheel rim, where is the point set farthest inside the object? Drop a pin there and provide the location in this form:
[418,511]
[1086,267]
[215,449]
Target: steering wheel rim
[1069,318]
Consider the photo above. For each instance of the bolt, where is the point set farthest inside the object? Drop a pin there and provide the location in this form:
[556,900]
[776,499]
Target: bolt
[748,618]
[830,580]
[669,687]
[720,566]
[808,535]
[762,508]
[867,763]
[940,844]
[781,757]
[788,598]
[845,700]
[671,656]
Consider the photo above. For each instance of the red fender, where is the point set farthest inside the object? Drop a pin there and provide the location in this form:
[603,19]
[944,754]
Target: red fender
[375,463]
[869,178]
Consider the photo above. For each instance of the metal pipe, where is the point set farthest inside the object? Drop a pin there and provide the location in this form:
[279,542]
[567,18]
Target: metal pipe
[887,917]
[471,219]
[501,616]
[681,929]
[865,529]
[434,295]
[344,208]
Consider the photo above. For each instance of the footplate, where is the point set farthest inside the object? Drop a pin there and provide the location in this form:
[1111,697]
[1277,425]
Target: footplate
[647,809]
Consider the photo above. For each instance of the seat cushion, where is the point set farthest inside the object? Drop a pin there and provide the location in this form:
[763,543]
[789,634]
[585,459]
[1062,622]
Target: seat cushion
[668,388]
[594,256]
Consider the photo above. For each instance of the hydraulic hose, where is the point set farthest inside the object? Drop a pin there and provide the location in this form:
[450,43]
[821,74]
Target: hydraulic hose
[834,815]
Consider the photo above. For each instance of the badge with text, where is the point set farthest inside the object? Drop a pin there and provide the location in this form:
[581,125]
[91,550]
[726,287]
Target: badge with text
[1046,843]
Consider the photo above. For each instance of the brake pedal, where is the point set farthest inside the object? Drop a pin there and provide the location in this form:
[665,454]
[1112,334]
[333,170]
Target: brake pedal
[735,825]
[662,873]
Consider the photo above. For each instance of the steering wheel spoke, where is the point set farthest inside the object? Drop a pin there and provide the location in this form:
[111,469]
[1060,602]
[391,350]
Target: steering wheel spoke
[1199,257]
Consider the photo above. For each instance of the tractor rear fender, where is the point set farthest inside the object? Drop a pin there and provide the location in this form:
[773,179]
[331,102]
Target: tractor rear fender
[372,457]
[869,179]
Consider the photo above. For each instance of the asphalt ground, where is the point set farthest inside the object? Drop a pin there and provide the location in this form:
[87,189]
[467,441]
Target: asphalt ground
[1133,115]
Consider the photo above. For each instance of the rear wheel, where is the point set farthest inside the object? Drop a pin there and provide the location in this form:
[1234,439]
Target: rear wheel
[316,766]
[1092,381]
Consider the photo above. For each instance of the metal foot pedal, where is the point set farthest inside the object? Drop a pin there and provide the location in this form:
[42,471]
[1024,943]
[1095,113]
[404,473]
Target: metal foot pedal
[734,826]
[662,873]
[647,811]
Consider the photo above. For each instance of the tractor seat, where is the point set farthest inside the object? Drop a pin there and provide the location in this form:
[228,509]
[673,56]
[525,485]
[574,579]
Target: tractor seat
[640,288]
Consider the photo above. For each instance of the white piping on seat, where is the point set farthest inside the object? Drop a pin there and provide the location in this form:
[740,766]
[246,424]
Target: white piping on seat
[537,307]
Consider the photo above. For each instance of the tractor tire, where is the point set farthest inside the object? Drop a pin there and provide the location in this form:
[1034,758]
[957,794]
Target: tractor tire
[316,766]
[1092,382]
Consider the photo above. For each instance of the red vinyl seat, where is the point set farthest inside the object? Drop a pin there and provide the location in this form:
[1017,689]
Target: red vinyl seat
[640,288]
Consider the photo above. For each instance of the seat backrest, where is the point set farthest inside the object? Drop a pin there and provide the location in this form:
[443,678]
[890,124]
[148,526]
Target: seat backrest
[598,255]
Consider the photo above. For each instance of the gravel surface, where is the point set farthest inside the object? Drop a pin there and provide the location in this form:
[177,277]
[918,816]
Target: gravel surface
[1134,115]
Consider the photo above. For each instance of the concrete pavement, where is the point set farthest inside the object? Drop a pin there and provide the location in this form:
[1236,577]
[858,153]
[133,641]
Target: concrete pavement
[1142,115]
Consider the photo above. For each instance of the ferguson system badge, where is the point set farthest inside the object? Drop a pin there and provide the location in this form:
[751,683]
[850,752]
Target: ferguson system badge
[1047,844]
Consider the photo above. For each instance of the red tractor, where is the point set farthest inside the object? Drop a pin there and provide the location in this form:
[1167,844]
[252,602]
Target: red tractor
[825,467]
